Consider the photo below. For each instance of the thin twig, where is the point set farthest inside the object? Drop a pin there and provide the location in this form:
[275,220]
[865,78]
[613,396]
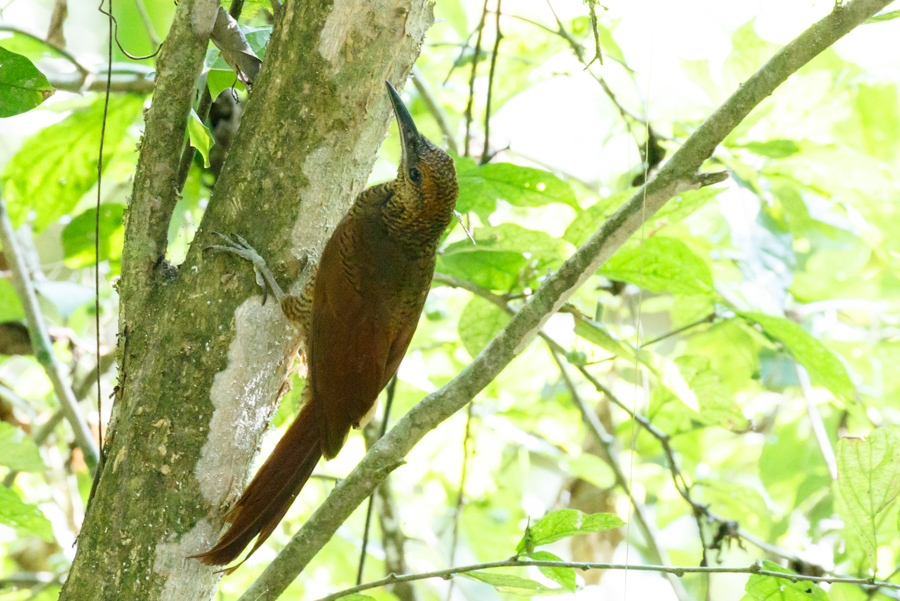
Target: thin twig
[55,33]
[97,224]
[607,446]
[115,36]
[134,82]
[578,49]
[459,57]
[389,394]
[605,440]
[393,540]
[461,491]
[662,438]
[40,340]
[486,155]
[598,53]
[434,107]
[815,419]
[12,397]
[678,571]
[148,24]
[29,579]
[471,99]
[678,478]
[61,51]
[81,390]
[708,319]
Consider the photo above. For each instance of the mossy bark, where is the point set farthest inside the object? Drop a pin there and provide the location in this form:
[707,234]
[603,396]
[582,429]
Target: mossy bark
[201,359]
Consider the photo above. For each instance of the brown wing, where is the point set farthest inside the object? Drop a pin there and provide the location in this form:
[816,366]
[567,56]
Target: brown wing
[356,341]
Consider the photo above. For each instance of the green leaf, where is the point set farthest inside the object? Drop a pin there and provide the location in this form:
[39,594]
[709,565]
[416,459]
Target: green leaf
[480,321]
[879,113]
[489,268]
[17,451]
[452,12]
[509,583]
[481,187]
[697,71]
[589,220]
[220,76]
[737,501]
[590,468]
[660,264]
[791,456]
[358,597]
[770,588]
[888,16]
[564,523]
[219,80]
[773,149]
[200,137]
[565,577]
[10,305]
[28,46]
[58,165]
[78,236]
[595,333]
[683,206]
[663,369]
[716,404]
[233,47]
[505,257]
[22,516]
[823,365]
[869,481]
[22,86]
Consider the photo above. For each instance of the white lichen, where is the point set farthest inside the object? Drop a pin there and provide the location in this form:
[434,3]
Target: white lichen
[243,395]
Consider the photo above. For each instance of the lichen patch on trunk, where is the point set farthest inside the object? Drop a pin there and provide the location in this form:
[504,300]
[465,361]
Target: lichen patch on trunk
[263,337]
[204,17]
[180,573]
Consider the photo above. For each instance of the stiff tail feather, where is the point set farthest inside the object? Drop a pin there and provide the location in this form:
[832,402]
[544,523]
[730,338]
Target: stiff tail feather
[271,492]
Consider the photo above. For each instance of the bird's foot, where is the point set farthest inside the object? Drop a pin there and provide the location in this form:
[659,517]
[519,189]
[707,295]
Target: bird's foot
[239,246]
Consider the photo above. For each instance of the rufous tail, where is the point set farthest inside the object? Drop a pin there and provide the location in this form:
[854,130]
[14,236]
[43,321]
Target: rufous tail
[270,494]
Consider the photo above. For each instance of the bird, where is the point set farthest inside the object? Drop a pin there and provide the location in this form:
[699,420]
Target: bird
[359,313]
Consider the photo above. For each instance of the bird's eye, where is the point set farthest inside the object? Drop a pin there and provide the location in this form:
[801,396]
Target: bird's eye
[415,175]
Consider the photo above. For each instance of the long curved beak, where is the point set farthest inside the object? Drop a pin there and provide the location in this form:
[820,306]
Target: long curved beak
[409,135]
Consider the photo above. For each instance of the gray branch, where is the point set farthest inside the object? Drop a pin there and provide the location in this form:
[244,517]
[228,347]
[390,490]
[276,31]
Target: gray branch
[676,176]
[40,341]
[155,192]
[122,83]
[675,571]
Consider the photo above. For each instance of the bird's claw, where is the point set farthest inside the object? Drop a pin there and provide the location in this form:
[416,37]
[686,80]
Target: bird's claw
[239,246]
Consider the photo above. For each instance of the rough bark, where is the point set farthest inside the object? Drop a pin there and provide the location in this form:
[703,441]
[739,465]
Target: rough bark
[201,360]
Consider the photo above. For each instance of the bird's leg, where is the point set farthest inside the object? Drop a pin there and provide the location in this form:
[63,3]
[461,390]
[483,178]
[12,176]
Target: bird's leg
[295,308]
[242,248]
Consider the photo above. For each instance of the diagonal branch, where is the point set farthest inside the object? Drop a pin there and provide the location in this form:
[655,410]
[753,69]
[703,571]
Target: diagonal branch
[676,176]
[40,341]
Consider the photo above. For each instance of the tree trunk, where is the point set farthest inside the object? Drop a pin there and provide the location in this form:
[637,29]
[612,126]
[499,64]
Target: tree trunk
[201,360]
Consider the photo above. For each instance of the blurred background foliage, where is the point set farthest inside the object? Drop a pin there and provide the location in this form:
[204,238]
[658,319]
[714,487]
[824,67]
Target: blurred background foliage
[767,306]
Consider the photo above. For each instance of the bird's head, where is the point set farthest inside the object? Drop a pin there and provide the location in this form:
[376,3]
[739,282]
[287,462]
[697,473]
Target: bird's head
[426,173]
